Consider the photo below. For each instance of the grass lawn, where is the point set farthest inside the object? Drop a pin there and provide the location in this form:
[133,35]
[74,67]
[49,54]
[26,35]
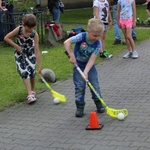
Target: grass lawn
[12,89]
[70,17]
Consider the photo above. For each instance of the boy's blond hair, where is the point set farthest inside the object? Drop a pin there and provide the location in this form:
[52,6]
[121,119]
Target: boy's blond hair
[95,25]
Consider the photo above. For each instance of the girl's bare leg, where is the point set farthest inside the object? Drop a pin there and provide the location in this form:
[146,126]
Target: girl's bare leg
[130,39]
[28,86]
[32,81]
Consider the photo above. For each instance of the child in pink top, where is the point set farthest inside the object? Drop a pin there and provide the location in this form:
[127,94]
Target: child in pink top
[126,16]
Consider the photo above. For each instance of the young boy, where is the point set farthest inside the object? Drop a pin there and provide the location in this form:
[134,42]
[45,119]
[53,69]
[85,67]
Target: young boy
[27,44]
[87,46]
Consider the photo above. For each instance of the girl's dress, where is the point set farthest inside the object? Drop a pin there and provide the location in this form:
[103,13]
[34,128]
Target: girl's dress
[27,44]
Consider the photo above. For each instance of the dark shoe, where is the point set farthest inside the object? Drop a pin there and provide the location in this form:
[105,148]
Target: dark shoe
[123,41]
[117,42]
[102,55]
[80,109]
[105,55]
[100,108]
[134,38]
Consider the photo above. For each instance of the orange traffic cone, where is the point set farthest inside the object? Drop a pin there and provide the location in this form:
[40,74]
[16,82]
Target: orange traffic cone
[94,124]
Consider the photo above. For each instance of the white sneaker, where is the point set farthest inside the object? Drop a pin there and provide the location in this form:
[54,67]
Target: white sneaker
[110,56]
[134,55]
[127,55]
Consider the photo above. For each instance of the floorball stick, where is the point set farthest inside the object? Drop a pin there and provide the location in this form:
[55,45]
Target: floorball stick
[110,111]
[55,94]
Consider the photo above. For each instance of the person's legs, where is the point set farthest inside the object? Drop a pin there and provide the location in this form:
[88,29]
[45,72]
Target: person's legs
[12,22]
[116,28]
[129,53]
[56,14]
[148,13]
[103,53]
[27,74]
[32,81]
[128,34]
[134,34]
[130,43]
[27,85]
[126,26]
[31,98]
[148,16]
[1,27]
[102,41]
[80,86]
[10,17]
[93,78]
[32,76]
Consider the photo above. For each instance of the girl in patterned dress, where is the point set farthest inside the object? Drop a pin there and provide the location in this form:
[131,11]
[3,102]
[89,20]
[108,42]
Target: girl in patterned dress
[26,45]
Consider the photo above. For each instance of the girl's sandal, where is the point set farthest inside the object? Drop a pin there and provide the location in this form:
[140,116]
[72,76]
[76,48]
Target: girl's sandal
[31,99]
[33,93]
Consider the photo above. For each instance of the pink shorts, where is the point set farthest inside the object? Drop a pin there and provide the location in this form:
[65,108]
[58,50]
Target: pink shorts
[126,23]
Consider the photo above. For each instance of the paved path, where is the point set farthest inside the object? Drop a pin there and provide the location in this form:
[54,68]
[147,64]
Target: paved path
[45,126]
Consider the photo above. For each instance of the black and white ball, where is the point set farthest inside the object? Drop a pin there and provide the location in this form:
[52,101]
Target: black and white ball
[49,75]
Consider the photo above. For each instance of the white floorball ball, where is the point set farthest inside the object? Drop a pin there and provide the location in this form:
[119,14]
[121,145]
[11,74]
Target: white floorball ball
[120,116]
[56,100]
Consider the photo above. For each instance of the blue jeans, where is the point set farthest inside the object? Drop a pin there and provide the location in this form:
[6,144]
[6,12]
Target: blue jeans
[133,33]
[116,28]
[56,14]
[80,84]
